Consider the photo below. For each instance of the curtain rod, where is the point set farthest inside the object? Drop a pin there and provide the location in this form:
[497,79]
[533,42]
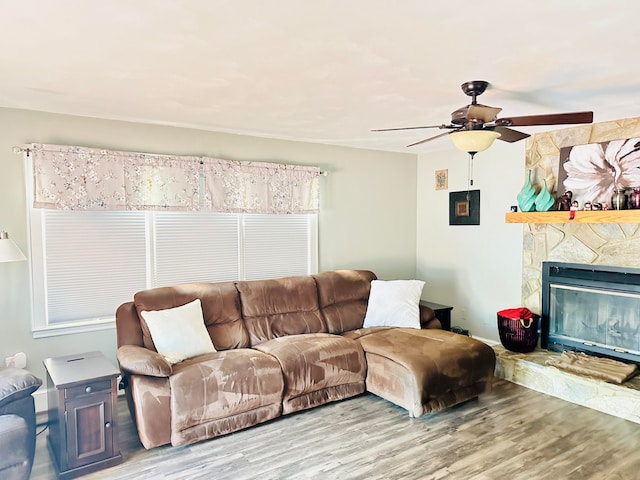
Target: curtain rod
[27,150]
[17,149]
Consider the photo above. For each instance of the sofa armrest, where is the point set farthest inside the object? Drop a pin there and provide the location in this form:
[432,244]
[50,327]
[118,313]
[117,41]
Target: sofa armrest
[137,360]
[16,383]
[428,318]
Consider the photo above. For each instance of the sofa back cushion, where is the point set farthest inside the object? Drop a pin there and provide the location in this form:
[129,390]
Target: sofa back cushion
[279,307]
[343,296]
[220,309]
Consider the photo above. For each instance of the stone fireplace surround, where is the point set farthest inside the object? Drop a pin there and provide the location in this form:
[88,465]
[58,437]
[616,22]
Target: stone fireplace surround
[598,244]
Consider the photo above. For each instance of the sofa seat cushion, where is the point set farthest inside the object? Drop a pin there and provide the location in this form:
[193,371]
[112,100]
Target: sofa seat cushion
[426,370]
[222,392]
[318,368]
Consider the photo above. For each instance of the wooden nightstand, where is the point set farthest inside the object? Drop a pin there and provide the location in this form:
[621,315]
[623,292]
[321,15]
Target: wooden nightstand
[83,427]
[443,313]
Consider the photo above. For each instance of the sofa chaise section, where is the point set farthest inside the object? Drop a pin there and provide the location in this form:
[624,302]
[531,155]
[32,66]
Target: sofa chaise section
[421,370]
[424,371]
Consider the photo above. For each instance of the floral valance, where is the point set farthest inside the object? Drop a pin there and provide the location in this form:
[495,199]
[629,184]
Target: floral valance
[80,178]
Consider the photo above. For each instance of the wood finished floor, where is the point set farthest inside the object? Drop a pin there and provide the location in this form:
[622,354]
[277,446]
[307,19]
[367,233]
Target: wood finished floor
[511,433]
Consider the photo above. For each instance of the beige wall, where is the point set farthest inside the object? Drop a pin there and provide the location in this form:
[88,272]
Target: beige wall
[476,269]
[367,220]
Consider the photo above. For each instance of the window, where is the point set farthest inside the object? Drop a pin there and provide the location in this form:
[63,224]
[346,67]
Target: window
[106,224]
[86,263]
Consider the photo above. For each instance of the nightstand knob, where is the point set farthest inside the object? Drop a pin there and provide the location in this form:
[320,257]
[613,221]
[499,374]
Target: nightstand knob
[107,425]
[88,389]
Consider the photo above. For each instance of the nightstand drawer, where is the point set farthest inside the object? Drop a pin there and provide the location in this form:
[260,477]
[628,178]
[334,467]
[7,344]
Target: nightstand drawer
[87,388]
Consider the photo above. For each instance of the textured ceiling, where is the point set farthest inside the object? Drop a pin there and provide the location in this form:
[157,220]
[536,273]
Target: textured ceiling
[324,71]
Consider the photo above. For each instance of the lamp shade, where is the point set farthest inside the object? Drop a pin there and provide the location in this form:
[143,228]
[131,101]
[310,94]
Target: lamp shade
[9,251]
[473,141]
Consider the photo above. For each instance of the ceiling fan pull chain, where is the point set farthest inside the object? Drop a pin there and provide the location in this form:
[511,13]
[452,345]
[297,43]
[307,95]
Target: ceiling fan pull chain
[470,172]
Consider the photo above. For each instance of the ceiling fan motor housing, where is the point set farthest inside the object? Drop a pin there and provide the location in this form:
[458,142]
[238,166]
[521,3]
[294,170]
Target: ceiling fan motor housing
[461,116]
[474,88]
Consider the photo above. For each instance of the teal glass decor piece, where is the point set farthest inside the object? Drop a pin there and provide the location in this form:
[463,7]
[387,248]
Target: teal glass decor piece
[544,200]
[527,196]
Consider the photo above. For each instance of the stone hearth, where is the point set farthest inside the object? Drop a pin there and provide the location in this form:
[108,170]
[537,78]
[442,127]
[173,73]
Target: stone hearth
[530,370]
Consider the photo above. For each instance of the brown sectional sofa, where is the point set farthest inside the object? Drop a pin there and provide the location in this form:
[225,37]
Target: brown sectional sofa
[286,345]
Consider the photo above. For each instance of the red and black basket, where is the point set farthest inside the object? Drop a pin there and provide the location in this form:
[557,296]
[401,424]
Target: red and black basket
[518,329]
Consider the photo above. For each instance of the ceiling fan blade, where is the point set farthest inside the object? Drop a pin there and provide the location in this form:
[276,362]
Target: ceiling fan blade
[550,119]
[482,112]
[428,139]
[510,135]
[411,128]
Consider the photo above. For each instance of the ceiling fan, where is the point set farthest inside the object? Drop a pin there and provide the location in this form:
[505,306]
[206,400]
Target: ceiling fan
[474,127]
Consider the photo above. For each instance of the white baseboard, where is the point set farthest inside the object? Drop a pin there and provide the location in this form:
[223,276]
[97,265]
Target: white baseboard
[491,343]
[40,399]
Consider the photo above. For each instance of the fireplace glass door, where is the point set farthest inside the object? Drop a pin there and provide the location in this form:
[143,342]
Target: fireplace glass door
[602,318]
[591,308]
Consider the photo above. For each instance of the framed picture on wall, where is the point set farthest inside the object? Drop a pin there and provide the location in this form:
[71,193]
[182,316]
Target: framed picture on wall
[442,179]
[464,207]
[592,171]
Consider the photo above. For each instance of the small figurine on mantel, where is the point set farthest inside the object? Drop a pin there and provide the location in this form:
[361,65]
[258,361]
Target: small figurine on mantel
[564,201]
[573,209]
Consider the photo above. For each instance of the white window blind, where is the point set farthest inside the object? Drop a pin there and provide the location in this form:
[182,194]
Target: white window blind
[86,263]
[195,247]
[91,260]
[270,242]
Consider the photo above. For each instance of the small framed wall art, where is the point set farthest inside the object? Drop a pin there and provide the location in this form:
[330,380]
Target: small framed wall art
[442,179]
[464,207]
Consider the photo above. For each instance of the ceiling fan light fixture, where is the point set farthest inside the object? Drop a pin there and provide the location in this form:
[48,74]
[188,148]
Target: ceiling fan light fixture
[473,141]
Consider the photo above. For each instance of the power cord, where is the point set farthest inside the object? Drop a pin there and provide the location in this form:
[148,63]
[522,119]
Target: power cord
[46,425]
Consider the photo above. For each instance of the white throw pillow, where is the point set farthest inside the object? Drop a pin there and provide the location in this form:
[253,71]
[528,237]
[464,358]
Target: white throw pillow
[394,303]
[179,333]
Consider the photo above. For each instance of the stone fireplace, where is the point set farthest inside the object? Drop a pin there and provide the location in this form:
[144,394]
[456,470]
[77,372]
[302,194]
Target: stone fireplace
[612,244]
[591,308]
[592,244]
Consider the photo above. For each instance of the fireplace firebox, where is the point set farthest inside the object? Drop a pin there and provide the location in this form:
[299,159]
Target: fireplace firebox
[591,308]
